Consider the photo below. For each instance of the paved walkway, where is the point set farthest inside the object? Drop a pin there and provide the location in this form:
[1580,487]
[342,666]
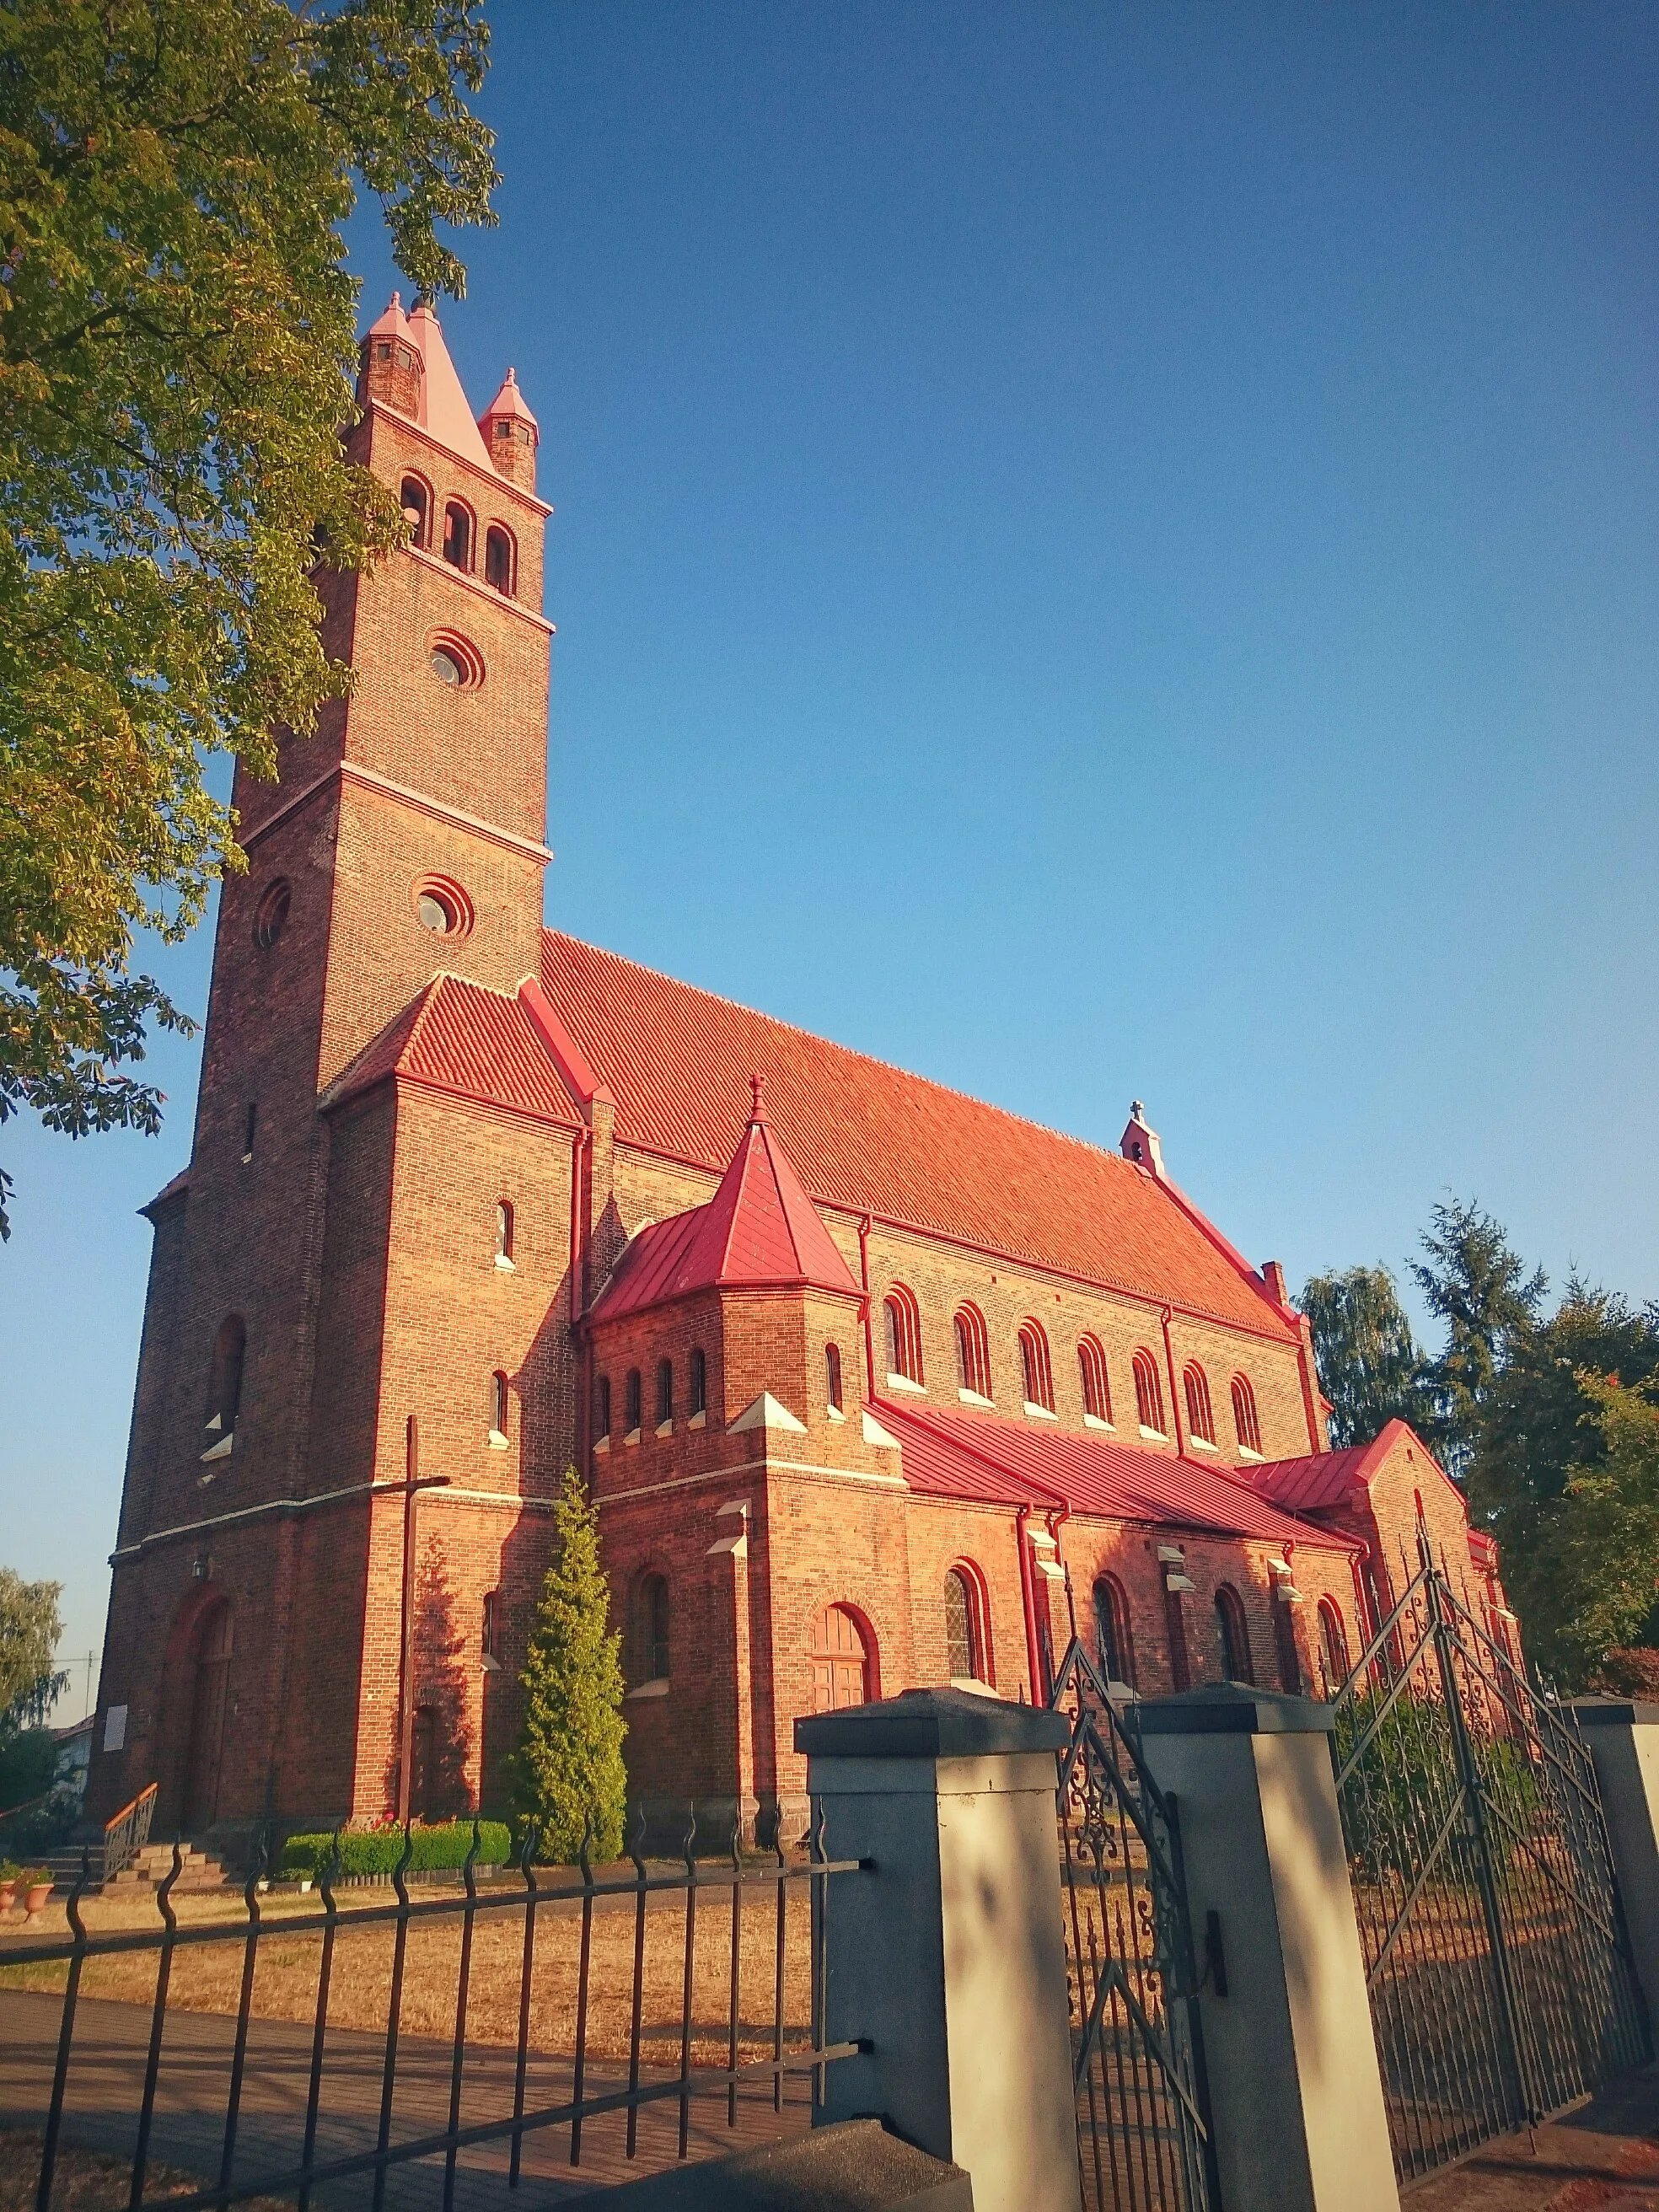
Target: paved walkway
[105,2086]
[1603,2157]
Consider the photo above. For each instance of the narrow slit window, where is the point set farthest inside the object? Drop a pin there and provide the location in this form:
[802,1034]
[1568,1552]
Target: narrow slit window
[1097,1384]
[903,1323]
[498,560]
[1233,1635]
[225,1377]
[1246,1424]
[491,1654]
[964,1637]
[1148,1393]
[832,1376]
[504,1229]
[416,503]
[665,1391]
[602,1410]
[1034,1364]
[458,536]
[498,1404]
[651,1630]
[973,1351]
[634,1399]
[699,1382]
[250,1129]
[1113,1638]
[1200,1420]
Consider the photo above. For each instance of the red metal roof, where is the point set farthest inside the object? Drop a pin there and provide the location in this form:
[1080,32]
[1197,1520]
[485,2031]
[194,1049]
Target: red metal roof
[869,1138]
[958,1454]
[1319,1481]
[760,1228]
[459,1037]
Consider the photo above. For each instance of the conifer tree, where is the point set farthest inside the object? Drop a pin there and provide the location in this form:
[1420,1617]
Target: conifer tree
[570,1766]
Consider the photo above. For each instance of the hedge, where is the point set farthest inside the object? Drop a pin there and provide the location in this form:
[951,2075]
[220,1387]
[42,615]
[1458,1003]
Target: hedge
[377,1851]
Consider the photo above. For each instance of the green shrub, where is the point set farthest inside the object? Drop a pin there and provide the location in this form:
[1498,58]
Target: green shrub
[28,1760]
[377,1851]
[1408,1779]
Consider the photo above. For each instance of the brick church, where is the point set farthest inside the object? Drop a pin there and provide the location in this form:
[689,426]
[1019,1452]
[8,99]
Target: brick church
[874,1385]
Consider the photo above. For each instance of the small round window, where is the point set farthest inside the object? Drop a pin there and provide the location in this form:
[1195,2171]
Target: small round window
[455,659]
[442,907]
[271,916]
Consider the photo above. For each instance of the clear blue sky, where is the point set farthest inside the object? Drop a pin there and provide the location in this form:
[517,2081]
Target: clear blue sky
[1101,551]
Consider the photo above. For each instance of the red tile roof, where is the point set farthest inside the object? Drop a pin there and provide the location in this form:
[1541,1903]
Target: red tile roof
[759,1229]
[958,1454]
[870,1139]
[474,1043]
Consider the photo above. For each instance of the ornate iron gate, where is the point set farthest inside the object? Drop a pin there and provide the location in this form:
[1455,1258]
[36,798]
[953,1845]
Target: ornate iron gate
[1496,1955]
[1144,2134]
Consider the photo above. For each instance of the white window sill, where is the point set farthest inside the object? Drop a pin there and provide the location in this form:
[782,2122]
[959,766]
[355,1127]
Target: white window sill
[221,1450]
[504,1263]
[602,1443]
[1200,1443]
[698,1420]
[657,1689]
[1094,1421]
[1157,1436]
[1254,1458]
[836,1413]
[973,1683]
[632,1438]
[973,1398]
[665,1428]
[491,1663]
[903,1382]
[1036,1413]
[497,1441]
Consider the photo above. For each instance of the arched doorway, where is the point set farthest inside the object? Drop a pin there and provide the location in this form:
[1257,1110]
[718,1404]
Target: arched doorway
[841,1660]
[209,1681]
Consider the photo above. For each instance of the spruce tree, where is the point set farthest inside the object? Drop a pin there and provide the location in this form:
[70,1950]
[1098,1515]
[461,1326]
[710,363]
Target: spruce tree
[570,1766]
[1371,1366]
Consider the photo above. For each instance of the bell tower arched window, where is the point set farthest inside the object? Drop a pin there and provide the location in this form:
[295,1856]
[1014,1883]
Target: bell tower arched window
[458,536]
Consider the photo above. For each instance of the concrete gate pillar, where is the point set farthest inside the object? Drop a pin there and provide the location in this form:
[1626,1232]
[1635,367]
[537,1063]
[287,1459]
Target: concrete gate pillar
[1622,1736]
[947,1954]
[1295,2088]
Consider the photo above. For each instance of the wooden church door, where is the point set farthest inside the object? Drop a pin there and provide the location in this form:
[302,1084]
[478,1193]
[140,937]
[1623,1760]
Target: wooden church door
[207,1718]
[840,1664]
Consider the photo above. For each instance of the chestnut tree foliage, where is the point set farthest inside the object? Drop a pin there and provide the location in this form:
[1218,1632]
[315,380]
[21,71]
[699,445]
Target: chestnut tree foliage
[178,352]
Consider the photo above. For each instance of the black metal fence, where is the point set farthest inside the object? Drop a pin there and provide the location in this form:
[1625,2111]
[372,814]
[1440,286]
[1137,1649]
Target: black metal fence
[753,2055]
[1145,2139]
[1498,1968]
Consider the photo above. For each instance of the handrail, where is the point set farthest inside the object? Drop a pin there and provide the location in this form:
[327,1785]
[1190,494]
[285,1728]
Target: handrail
[29,1804]
[125,1836]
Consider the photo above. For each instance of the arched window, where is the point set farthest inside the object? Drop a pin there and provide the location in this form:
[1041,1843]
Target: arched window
[632,1424]
[1200,1420]
[1148,1393]
[832,1376]
[651,1630]
[699,1384]
[225,1377]
[1112,1633]
[1037,1375]
[1096,1385]
[504,1231]
[973,1353]
[1247,1427]
[498,1407]
[843,1663]
[498,559]
[1334,1636]
[271,916]
[964,1626]
[458,536]
[417,502]
[1233,1635]
[602,1410]
[903,1317]
[665,1392]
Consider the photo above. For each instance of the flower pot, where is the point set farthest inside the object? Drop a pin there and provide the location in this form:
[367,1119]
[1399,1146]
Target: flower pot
[8,1896]
[35,1900]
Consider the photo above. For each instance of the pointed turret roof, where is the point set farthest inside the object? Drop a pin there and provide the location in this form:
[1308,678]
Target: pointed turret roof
[443,410]
[510,401]
[760,1231]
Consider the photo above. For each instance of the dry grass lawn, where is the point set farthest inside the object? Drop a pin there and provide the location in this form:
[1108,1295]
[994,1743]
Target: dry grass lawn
[207,1977]
[91,2180]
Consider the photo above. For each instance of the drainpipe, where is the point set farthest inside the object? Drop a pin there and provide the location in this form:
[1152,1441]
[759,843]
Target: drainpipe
[1028,1603]
[865,1226]
[1175,1391]
[579,1148]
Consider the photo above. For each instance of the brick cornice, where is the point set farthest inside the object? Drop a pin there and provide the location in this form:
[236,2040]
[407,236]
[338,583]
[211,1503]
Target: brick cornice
[370,779]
